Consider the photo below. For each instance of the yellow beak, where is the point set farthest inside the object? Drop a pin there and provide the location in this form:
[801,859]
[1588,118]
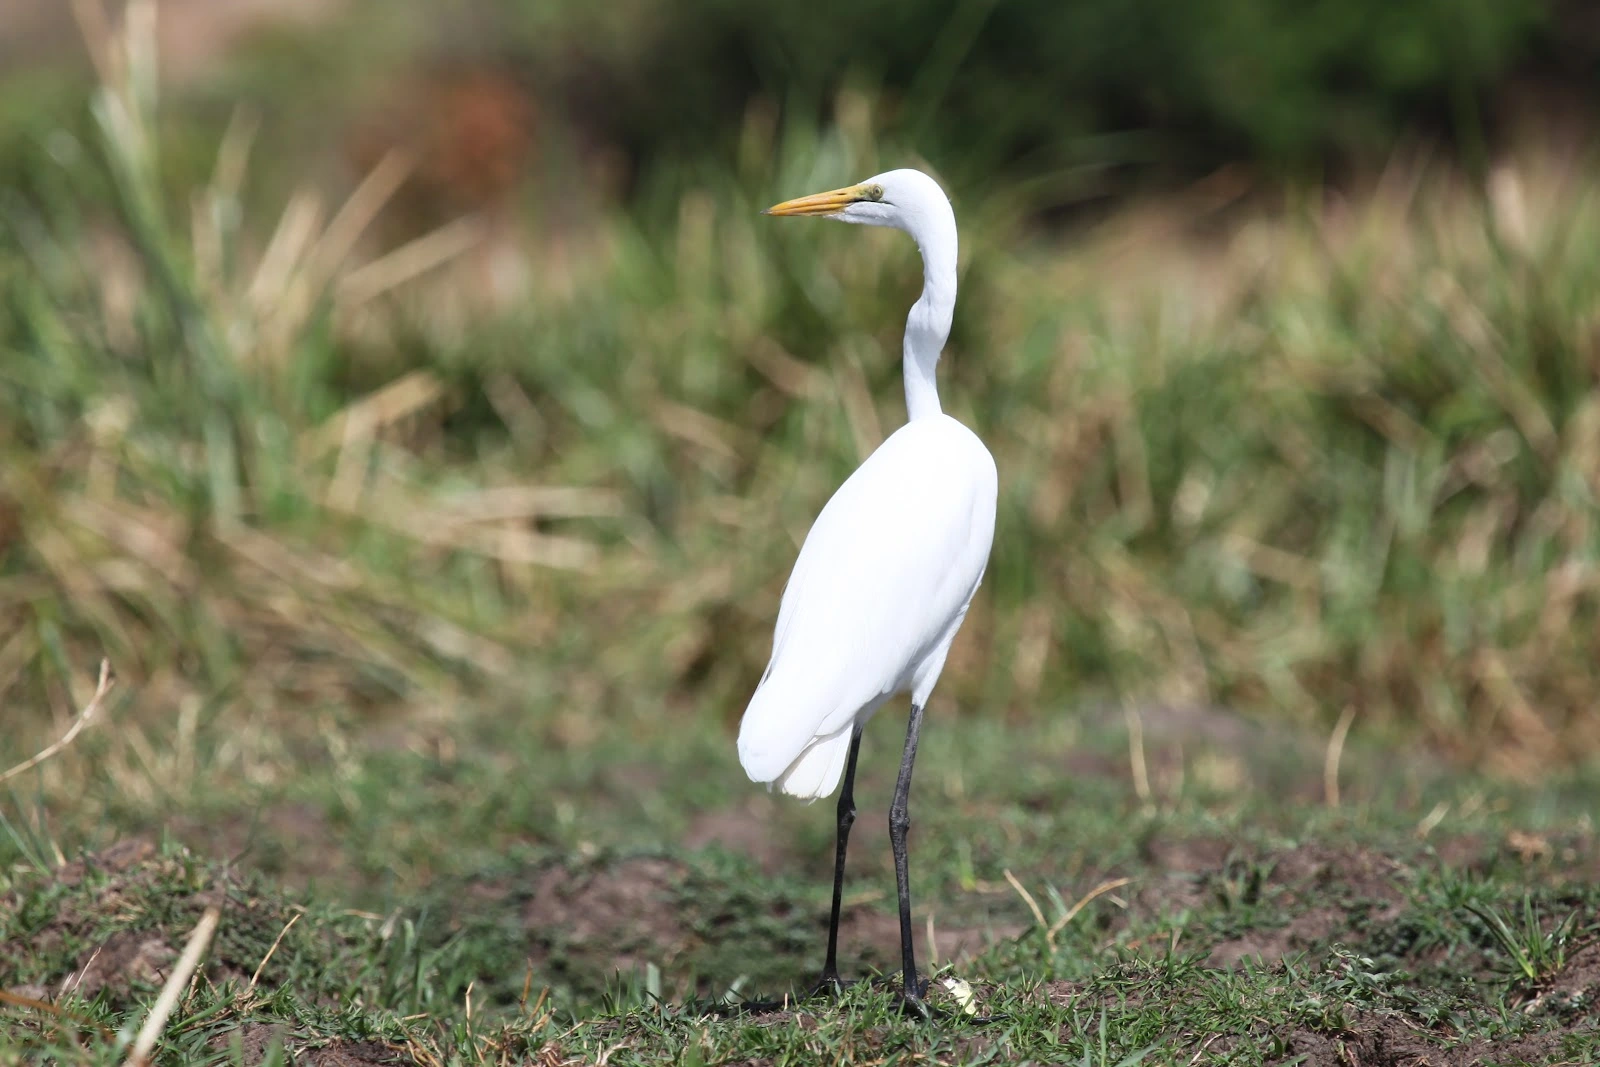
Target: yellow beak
[829,203]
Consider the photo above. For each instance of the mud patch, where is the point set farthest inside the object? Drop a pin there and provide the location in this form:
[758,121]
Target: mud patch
[1314,872]
[1062,993]
[1364,1038]
[256,1041]
[291,840]
[873,936]
[112,923]
[1556,858]
[351,1054]
[1319,891]
[78,946]
[114,859]
[741,830]
[1180,872]
[1328,891]
[1187,854]
[631,906]
[1574,989]
[1191,874]
[1389,1041]
[581,923]
[1304,931]
[126,961]
[1378,1041]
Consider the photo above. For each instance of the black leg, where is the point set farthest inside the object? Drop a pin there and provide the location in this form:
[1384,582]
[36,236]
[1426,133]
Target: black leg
[847,818]
[899,823]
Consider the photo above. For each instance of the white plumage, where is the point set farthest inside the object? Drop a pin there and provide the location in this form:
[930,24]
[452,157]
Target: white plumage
[880,588]
[887,572]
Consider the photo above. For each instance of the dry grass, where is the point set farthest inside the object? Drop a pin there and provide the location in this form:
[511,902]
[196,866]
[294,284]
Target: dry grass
[1338,452]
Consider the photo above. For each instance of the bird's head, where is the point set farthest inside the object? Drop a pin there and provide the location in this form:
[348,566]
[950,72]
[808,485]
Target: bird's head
[902,199]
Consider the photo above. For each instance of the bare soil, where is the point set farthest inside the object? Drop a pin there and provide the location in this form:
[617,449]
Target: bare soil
[629,906]
[872,935]
[742,830]
[622,913]
[257,1041]
[115,940]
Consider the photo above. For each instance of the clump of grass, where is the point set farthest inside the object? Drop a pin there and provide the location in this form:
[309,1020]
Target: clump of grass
[1345,457]
[184,486]
[1334,454]
[1534,953]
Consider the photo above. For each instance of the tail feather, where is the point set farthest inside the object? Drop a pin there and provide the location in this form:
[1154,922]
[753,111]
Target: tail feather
[802,754]
[816,771]
[778,750]
[775,733]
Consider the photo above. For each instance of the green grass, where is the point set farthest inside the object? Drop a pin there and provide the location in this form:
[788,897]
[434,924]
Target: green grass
[1255,928]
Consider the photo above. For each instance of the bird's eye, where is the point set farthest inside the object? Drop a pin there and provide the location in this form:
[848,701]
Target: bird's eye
[873,193]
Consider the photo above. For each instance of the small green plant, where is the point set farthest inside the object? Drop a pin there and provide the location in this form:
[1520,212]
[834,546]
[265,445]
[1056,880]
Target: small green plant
[1535,954]
[28,836]
[1240,884]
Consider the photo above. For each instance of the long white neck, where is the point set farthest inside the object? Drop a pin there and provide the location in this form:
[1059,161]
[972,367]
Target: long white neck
[928,325]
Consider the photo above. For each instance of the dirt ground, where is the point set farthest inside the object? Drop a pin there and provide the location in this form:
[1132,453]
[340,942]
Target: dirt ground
[106,928]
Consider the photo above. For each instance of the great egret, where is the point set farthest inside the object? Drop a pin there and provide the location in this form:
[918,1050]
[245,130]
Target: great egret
[888,570]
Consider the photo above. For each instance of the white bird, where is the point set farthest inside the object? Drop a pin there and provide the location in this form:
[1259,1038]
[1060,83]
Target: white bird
[888,570]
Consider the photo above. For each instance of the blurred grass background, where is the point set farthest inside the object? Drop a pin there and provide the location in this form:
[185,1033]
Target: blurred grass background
[428,368]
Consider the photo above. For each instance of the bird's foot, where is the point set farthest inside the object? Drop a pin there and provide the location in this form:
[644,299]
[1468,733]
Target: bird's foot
[915,1005]
[724,1009]
[830,985]
[913,997]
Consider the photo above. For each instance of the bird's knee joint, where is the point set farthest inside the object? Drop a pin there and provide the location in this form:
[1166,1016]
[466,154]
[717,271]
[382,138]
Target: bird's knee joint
[899,822]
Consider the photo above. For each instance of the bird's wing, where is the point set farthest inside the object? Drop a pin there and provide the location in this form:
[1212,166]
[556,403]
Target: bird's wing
[887,568]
